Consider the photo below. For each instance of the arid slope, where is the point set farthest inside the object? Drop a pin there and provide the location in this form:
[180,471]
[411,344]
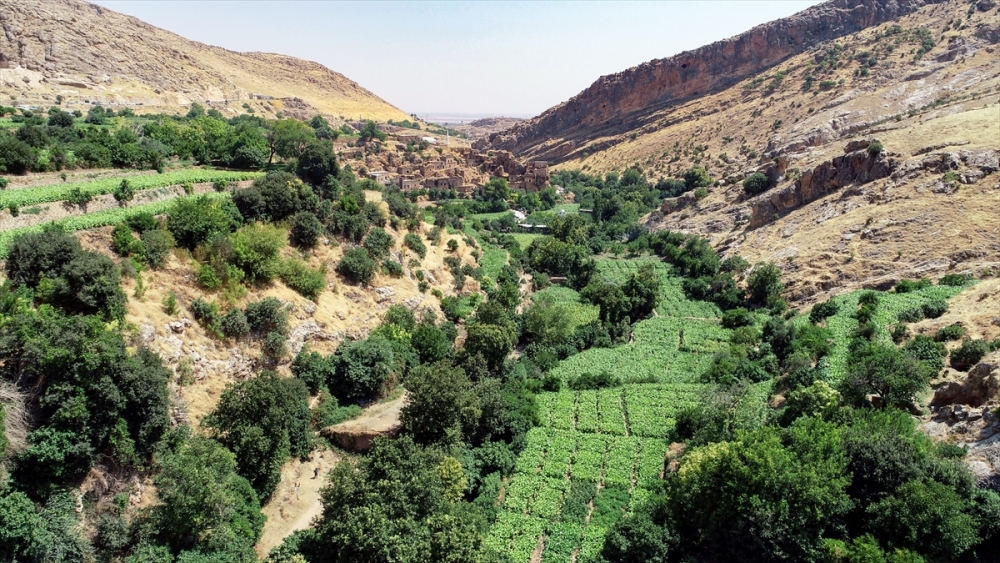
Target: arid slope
[86,52]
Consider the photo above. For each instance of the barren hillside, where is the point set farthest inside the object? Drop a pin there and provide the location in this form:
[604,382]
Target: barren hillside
[85,52]
[923,84]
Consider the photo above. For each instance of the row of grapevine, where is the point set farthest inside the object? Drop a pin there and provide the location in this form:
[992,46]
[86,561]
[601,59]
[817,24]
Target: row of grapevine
[61,192]
[93,220]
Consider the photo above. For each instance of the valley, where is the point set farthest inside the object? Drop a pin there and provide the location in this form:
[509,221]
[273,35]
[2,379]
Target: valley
[740,304]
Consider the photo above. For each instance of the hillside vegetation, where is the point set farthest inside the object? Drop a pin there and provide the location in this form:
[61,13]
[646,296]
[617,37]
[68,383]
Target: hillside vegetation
[84,52]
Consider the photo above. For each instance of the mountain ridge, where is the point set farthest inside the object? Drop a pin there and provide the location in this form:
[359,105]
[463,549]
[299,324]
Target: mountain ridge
[83,51]
[621,101]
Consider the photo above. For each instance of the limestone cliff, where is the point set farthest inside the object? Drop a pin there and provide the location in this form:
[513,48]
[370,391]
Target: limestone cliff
[622,101]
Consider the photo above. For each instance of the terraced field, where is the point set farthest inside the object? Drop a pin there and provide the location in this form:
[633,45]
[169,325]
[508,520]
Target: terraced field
[672,302]
[598,452]
[143,184]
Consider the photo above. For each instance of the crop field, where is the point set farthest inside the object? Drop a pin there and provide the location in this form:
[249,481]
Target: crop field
[493,259]
[672,302]
[489,216]
[597,453]
[886,315]
[59,192]
[580,313]
[664,349]
[97,219]
[525,239]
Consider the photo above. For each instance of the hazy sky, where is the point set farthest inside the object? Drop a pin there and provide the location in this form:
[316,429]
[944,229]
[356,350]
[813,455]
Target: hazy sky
[496,58]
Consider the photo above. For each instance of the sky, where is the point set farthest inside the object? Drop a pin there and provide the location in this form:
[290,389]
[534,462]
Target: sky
[513,59]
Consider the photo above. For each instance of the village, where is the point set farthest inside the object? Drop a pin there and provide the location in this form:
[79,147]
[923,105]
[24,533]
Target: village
[413,161]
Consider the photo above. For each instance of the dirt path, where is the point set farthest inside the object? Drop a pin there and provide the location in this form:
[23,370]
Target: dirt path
[296,501]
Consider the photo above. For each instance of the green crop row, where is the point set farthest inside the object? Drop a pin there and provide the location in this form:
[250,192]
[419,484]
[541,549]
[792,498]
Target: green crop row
[93,220]
[61,192]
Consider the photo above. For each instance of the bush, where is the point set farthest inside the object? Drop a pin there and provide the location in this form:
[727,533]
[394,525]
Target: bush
[125,192]
[392,268]
[906,286]
[875,148]
[756,183]
[935,309]
[378,242]
[950,332]
[141,222]
[357,267]
[414,243]
[122,241]
[306,229]
[312,368]
[969,354]
[701,193]
[266,316]
[274,346]
[926,350]
[156,246]
[192,221]
[823,311]
[16,157]
[955,280]
[593,381]
[234,324]
[307,282]
[256,248]
[205,313]
[737,317]
[911,315]
[208,277]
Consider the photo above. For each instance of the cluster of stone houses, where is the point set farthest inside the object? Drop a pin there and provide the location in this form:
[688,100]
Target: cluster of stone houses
[461,169]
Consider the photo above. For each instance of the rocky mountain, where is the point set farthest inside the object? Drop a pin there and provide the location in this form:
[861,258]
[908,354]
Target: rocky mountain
[87,53]
[876,125]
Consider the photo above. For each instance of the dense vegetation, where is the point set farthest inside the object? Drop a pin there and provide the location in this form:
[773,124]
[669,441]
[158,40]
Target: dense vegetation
[568,438]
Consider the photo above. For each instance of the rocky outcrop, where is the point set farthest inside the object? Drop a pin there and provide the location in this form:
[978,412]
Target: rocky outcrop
[979,387]
[619,102]
[859,165]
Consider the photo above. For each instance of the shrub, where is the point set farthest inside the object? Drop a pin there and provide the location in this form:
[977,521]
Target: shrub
[701,193]
[697,177]
[452,245]
[125,192]
[3,183]
[307,282]
[906,286]
[935,309]
[207,314]
[911,315]
[170,304]
[737,317]
[122,241]
[306,229]
[234,323]
[926,350]
[141,222]
[192,221]
[156,246]
[256,248]
[950,332]
[823,311]
[392,268]
[734,264]
[79,197]
[357,266]
[875,148]
[274,346]
[756,183]
[593,381]
[220,185]
[312,368]
[208,277]
[955,280]
[378,242]
[266,316]
[414,243]
[969,354]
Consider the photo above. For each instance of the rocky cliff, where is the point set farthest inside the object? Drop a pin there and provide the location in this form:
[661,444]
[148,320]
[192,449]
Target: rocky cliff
[622,101]
[87,53]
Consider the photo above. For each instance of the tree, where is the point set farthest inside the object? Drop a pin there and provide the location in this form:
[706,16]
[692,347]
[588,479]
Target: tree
[256,248]
[370,131]
[201,499]
[493,342]
[378,242]
[197,110]
[765,284]
[96,116]
[430,343]
[927,517]
[288,138]
[362,369]
[16,156]
[60,118]
[756,183]
[357,267]
[885,371]
[441,407]
[306,229]
[262,420]
[193,221]
[317,162]
[697,177]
